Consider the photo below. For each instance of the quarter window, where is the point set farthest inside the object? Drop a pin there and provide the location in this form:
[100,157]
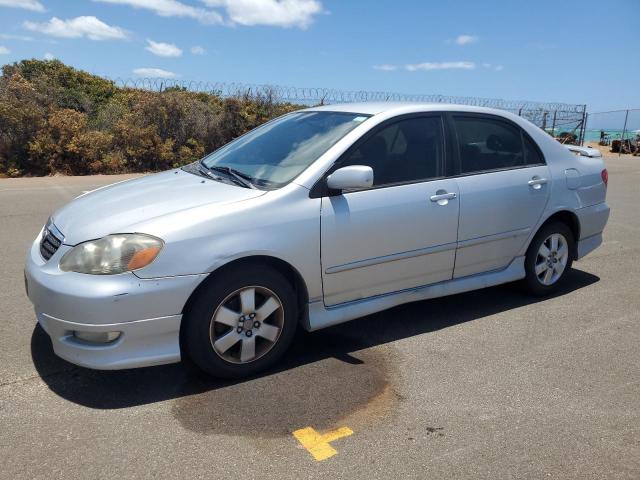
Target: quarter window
[488,144]
[532,155]
[406,151]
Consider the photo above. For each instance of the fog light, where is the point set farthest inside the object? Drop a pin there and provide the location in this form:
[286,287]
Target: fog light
[97,337]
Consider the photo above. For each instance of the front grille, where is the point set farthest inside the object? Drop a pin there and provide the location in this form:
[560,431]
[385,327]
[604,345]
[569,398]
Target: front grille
[50,242]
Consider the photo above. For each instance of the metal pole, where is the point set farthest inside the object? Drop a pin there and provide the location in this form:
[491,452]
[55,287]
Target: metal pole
[583,127]
[624,130]
[553,127]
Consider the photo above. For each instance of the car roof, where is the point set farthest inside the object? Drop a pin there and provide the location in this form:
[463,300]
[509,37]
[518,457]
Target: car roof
[375,108]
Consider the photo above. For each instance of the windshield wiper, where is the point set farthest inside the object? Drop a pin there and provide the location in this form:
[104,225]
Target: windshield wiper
[205,172]
[239,177]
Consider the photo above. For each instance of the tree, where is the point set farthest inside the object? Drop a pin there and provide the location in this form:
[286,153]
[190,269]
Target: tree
[56,119]
[67,146]
[22,114]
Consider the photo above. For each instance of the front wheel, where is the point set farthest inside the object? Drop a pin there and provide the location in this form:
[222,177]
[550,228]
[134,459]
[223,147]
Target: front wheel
[241,322]
[549,258]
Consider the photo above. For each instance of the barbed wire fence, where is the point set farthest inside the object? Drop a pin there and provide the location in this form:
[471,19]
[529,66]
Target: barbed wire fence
[617,129]
[563,120]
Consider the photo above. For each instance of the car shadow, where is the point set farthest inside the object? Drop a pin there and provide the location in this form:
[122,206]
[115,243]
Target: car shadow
[127,388]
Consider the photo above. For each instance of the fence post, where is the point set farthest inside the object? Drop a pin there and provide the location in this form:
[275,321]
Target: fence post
[624,130]
[553,127]
[583,127]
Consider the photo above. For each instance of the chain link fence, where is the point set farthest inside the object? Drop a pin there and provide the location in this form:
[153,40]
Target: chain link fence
[617,129]
[561,120]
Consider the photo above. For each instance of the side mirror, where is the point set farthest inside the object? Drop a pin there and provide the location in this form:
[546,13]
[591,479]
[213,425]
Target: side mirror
[351,178]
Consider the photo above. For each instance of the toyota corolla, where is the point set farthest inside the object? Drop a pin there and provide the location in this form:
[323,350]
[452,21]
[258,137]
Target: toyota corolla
[315,218]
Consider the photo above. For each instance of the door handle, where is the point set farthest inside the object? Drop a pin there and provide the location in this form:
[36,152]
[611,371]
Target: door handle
[442,197]
[537,182]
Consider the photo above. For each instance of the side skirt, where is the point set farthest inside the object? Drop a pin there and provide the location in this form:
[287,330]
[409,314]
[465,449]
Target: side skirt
[322,317]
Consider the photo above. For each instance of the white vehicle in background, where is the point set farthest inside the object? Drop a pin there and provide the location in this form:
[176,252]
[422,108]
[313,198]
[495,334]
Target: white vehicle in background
[315,218]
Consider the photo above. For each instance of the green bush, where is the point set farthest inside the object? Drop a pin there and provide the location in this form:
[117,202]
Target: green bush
[56,119]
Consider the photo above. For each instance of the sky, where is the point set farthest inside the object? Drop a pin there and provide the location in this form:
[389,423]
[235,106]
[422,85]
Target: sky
[584,52]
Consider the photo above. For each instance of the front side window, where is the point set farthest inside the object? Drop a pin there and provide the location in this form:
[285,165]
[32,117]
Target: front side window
[275,153]
[408,150]
[487,144]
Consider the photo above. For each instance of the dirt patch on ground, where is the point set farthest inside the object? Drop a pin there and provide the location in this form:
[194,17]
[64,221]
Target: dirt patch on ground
[324,394]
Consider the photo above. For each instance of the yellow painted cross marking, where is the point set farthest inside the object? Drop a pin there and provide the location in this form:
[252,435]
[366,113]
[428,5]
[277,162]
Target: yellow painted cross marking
[317,444]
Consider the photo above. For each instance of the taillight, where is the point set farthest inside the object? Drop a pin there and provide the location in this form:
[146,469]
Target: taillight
[605,177]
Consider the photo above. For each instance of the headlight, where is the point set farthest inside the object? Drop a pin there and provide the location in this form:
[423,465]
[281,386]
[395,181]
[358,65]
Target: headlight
[112,254]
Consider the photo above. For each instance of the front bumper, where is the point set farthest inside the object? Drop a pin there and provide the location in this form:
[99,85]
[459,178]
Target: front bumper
[147,312]
[141,343]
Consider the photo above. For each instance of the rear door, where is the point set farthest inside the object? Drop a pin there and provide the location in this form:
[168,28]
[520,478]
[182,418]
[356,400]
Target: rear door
[401,233]
[504,188]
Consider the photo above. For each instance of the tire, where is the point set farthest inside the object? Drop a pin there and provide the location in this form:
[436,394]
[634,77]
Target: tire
[544,275]
[221,324]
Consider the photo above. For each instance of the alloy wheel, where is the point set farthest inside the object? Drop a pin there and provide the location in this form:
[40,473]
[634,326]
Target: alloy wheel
[551,259]
[247,324]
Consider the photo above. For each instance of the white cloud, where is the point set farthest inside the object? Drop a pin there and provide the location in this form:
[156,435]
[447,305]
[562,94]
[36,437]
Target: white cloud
[427,66]
[32,5]
[276,13]
[466,39]
[8,36]
[4,50]
[494,67]
[198,50]
[154,72]
[163,49]
[79,27]
[171,8]
[49,56]
[385,67]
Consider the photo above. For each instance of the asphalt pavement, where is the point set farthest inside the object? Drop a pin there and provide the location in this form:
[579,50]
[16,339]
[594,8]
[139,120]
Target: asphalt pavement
[489,384]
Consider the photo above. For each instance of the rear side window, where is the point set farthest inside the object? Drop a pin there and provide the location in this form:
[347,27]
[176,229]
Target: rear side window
[408,150]
[488,144]
[532,155]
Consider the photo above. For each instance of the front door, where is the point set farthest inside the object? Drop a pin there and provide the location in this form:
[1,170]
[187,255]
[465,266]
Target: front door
[401,233]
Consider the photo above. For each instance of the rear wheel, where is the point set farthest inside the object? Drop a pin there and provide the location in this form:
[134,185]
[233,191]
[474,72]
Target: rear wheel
[241,322]
[549,258]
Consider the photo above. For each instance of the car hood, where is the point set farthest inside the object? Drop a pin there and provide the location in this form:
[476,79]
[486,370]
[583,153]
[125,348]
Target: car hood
[118,208]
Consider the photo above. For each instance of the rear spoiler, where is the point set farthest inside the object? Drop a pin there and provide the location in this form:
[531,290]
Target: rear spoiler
[585,151]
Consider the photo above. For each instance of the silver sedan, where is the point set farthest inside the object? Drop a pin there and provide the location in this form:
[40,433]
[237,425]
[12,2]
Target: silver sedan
[315,218]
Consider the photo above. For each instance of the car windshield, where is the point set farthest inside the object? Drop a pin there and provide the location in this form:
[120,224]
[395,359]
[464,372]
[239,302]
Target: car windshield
[275,153]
